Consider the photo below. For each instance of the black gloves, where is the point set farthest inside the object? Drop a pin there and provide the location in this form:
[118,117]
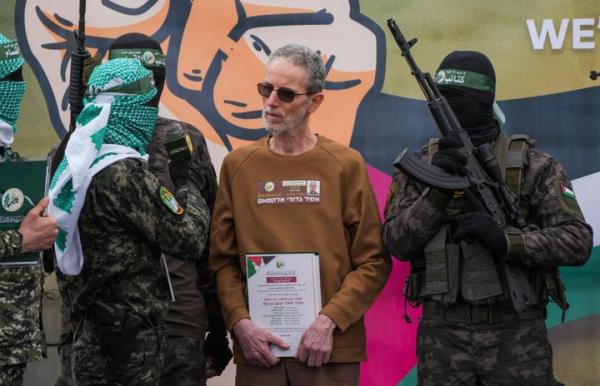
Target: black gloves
[448,157]
[187,170]
[479,225]
[216,346]
[482,227]
[217,351]
[209,190]
[185,165]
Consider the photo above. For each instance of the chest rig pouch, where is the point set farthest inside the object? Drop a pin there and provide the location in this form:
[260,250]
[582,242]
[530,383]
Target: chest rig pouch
[441,268]
[469,269]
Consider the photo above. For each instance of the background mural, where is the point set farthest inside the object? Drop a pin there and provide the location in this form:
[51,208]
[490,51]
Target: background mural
[216,50]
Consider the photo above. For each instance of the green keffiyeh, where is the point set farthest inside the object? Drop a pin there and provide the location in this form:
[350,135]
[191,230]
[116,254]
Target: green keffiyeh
[114,124]
[10,56]
[11,93]
[130,85]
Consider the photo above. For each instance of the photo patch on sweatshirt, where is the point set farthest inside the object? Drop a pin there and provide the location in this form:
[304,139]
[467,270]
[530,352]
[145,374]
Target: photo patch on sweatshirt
[288,192]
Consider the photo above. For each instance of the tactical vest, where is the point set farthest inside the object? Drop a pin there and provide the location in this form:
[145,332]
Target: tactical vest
[465,268]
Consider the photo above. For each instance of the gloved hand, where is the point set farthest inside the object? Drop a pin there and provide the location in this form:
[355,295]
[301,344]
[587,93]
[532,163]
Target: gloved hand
[209,190]
[482,227]
[448,157]
[217,352]
[477,224]
[187,170]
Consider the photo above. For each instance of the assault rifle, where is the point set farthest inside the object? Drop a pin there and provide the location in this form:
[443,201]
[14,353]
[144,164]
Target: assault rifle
[483,174]
[78,57]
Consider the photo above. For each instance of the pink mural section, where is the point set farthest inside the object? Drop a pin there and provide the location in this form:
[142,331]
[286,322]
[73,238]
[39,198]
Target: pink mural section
[390,339]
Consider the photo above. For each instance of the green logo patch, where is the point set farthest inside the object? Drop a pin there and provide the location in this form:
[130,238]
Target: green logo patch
[170,201]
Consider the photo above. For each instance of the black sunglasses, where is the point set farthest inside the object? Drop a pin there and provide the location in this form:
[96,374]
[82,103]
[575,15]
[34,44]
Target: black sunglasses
[284,94]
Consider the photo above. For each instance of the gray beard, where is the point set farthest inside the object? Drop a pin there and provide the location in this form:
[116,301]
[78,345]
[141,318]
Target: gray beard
[288,123]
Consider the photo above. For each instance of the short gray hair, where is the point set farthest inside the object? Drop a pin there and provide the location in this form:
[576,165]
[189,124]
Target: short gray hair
[306,58]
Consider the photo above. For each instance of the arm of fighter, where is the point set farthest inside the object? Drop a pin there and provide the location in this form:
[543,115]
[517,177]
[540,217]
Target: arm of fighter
[562,237]
[413,214]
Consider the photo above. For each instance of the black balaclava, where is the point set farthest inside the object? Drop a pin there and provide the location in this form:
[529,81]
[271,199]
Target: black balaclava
[468,81]
[148,51]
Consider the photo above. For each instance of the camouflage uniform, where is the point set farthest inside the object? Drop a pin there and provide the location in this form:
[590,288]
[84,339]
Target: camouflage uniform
[498,347]
[124,226]
[186,322]
[184,362]
[20,297]
[10,243]
[65,347]
[179,349]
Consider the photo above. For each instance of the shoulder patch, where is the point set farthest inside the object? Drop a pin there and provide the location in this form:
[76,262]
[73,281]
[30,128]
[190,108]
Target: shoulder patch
[566,197]
[458,194]
[566,191]
[170,201]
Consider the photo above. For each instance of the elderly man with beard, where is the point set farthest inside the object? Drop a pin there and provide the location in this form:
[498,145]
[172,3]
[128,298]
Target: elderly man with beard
[342,226]
[115,219]
[189,357]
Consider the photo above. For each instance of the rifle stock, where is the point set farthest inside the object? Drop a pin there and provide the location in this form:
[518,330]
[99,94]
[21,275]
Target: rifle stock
[483,177]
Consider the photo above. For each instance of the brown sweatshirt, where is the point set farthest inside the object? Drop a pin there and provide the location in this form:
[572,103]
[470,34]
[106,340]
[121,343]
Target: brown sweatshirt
[318,201]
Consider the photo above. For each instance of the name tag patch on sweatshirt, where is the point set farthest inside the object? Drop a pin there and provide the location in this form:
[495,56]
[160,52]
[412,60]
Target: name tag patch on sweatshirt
[288,192]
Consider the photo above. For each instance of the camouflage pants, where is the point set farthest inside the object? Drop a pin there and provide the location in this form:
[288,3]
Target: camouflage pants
[66,334]
[516,353]
[184,362]
[12,375]
[140,366]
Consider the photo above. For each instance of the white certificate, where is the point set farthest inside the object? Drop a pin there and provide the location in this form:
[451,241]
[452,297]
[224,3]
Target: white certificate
[284,295]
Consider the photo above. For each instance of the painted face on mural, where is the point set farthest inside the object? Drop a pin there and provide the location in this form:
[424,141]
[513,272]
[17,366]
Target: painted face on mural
[45,33]
[216,53]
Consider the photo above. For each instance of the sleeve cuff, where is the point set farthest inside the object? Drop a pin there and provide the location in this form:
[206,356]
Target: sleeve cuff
[236,316]
[339,317]
[516,247]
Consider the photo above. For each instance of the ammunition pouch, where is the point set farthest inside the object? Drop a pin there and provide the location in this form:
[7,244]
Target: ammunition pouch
[441,268]
[414,286]
[552,289]
[480,280]
[117,331]
[444,261]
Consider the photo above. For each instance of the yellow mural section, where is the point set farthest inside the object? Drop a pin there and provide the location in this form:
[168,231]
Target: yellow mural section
[499,29]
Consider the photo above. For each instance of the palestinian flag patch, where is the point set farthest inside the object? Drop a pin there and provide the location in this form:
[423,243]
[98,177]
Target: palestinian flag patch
[566,192]
[170,201]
